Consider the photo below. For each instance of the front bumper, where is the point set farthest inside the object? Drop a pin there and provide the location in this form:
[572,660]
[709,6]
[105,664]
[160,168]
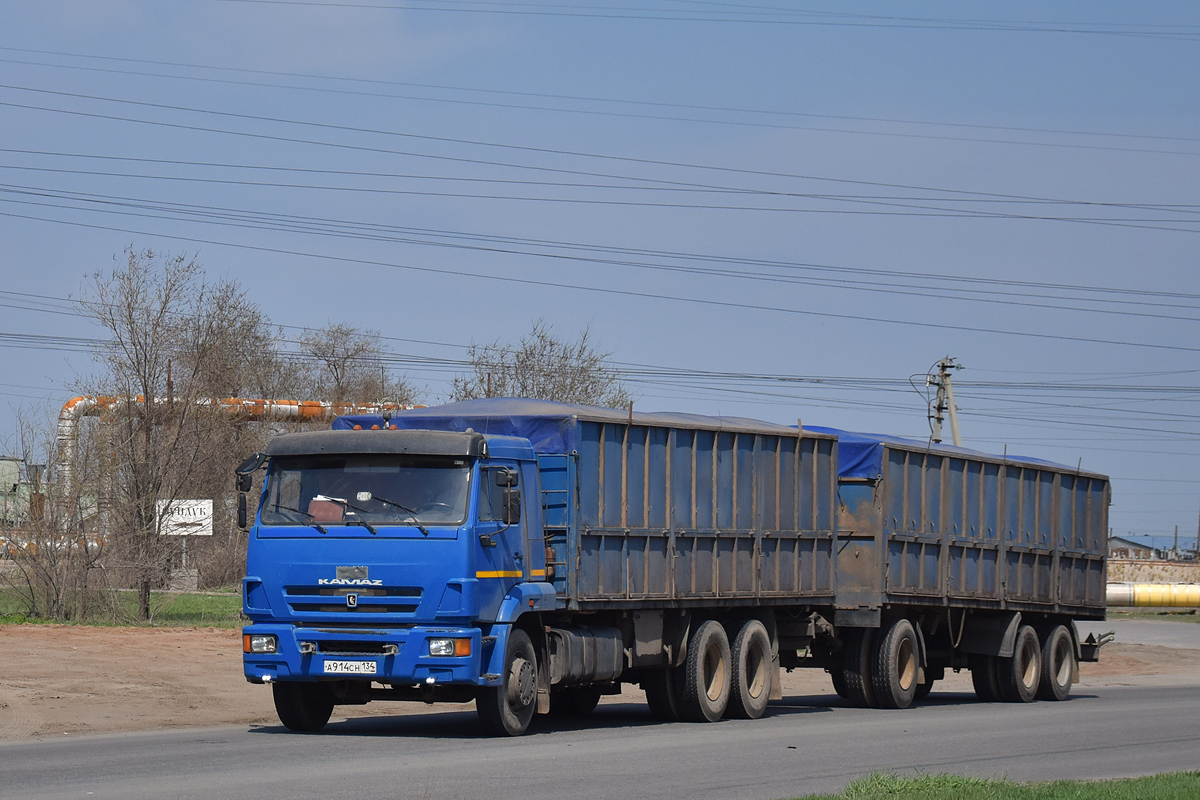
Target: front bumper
[305,654]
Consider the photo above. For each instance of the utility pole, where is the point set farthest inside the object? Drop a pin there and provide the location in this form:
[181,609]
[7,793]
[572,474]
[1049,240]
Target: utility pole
[944,403]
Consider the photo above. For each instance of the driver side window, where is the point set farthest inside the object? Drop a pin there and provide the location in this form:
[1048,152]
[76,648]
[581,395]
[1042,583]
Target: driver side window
[491,497]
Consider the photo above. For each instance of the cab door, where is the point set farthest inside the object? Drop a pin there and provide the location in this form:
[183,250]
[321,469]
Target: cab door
[501,557]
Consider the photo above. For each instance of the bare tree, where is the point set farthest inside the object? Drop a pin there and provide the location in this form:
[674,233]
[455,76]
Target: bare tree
[175,341]
[349,367]
[545,367]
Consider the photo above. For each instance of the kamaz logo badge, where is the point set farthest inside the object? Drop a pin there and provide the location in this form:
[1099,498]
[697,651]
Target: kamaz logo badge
[349,582]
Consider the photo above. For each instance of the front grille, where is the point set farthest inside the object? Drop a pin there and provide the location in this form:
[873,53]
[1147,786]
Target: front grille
[371,599]
[361,591]
[361,608]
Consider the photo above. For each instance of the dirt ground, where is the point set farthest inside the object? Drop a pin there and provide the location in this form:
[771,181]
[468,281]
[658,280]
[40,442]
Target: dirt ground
[60,680]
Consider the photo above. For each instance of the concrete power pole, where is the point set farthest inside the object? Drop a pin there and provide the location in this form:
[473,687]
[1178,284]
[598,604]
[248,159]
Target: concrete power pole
[944,403]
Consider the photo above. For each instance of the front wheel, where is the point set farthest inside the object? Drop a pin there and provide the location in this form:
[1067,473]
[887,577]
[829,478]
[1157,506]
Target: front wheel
[507,710]
[303,707]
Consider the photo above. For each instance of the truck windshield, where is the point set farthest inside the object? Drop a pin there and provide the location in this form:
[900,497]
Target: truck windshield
[373,489]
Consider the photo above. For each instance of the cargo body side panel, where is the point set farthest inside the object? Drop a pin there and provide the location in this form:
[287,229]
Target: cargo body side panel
[995,534]
[675,516]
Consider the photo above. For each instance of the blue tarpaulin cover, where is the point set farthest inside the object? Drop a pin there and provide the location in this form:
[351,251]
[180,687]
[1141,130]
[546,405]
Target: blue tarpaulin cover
[860,455]
[549,426]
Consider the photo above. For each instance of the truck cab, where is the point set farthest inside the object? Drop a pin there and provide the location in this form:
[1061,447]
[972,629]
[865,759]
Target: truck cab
[395,564]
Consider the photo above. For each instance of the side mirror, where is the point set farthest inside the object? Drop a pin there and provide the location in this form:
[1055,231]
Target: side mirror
[512,507]
[242,520]
[507,477]
[244,482]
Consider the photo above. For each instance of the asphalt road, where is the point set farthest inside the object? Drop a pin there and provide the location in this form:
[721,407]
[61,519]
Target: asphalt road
[805,744]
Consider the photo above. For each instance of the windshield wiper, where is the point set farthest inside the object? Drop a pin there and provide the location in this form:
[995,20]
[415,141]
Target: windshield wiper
[363,522]
[412,519]
[304,513]
[348,505]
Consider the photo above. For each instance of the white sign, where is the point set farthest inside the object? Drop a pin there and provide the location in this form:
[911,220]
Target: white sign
[185,517]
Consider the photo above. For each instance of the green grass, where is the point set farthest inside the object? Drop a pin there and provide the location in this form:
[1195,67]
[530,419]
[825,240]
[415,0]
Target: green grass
[170,609]
[1181,785]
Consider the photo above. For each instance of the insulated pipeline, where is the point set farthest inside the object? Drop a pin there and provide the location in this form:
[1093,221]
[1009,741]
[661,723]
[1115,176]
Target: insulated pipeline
[1154,595]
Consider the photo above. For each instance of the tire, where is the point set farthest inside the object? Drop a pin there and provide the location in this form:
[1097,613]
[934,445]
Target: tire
[302,707]
[750,682]
[706,677]
[1058,664]
[576,701]
[839,681]
[508,709]
[932,676]
[659,686]
[856,666]
[896,665]
[1020,675]
[983,678]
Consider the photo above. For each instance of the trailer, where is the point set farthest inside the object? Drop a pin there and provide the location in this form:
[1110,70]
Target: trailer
[532,556]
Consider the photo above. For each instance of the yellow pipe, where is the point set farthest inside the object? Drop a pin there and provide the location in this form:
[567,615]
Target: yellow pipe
[1154,595]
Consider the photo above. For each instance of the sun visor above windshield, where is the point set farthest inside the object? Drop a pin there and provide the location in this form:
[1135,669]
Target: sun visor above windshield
[433,443]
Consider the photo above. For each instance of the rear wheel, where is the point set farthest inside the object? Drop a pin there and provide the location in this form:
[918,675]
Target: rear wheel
[707,675]
[932,676]
[857,652]
[897,664]
[507,710]
[751,679]
[659,686]
[1020,676]
[983,678]
[303,707]
[1058,665]
[839,681]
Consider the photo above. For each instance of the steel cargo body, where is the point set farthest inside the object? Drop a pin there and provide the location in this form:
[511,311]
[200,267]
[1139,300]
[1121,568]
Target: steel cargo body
[668,510]
[934,525]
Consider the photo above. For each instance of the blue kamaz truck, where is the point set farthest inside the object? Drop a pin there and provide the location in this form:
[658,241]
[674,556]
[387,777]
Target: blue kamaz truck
[531,556]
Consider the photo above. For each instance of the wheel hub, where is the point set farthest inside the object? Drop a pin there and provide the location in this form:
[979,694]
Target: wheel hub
[522,683]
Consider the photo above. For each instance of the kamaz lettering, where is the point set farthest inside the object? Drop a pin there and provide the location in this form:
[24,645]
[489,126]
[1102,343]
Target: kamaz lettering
[349,582]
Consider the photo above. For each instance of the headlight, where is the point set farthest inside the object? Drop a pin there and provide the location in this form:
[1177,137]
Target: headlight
[449,647]
[259,643]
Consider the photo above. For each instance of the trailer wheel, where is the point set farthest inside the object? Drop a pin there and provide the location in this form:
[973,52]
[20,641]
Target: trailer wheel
[659,686]
[577,700]
[507,710]
[706,675]
[303,707]
[983,678]
[1058,664]
[897,664]
[751,679]
[1021,675]
[857,652]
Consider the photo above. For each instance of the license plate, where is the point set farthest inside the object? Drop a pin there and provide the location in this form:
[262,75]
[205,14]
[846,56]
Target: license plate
[351,667]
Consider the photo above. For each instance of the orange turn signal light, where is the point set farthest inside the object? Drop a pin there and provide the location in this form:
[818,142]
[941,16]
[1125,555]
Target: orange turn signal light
[462,647]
